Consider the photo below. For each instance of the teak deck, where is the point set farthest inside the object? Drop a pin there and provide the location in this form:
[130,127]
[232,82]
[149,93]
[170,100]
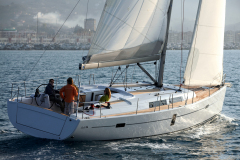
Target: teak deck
[201,93]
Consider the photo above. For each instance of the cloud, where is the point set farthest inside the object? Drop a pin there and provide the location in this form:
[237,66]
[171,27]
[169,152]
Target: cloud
[55,18]
[48,18]
[82,10]
[95,7]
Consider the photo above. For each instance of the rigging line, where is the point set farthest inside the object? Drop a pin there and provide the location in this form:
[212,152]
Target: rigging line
[156,69]
[53,38]
[133,72]
[86,19]
[119,75]
[119,68]
[182,17]
[123,79]
[87,9]
[112,74]
[126,77]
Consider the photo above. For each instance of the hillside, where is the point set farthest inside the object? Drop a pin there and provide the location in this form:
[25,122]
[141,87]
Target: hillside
[23,13]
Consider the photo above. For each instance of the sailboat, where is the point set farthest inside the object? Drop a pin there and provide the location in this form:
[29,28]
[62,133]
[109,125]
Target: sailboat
[133,32]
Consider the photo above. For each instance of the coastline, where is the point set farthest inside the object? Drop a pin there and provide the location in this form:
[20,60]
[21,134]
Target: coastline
[73,46]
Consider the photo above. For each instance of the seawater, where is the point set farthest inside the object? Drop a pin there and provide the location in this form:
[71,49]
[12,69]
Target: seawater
[219,139]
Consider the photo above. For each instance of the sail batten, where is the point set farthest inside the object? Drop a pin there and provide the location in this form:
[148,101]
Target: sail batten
[128,30]
[205,60]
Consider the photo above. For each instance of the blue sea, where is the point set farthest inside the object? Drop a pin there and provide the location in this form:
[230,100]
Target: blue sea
[219,139]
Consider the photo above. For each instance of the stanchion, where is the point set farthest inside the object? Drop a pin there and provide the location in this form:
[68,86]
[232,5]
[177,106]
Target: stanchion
[137,106]
[160,104]
[25,88]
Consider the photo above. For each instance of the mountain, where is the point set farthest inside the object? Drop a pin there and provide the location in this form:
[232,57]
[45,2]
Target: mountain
[24,12]
[15,13]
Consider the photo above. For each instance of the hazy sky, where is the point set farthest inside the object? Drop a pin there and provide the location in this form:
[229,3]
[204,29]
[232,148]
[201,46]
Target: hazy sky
[96,6]
[232,14]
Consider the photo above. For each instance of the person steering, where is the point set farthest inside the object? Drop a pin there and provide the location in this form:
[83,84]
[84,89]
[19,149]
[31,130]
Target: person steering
[52,94]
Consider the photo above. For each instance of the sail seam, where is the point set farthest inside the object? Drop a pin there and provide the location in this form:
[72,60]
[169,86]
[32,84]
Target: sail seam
[135,24]
[124,59]
[130,25]
[152,19]
[137,9]
[157,6]
[119,20]
[116,50]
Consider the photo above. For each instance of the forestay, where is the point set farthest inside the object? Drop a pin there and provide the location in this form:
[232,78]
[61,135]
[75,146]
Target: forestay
[205,61]
[129,31]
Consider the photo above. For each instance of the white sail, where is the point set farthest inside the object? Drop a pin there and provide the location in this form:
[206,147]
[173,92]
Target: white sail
[205,61]
[129,31]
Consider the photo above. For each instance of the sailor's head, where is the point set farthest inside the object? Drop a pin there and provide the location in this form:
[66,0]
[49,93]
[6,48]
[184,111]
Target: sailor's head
[70,80]
[107,91]
[51,81]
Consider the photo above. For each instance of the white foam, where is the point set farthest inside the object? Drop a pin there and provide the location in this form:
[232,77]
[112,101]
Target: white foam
[2,131]
[230,119]
[210,128]
[153,146]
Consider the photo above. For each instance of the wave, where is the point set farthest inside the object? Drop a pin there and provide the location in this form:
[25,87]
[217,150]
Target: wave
[229,119]
[133,145]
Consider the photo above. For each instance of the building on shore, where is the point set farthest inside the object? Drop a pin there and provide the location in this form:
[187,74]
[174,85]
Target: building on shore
[90,24]
[8,32]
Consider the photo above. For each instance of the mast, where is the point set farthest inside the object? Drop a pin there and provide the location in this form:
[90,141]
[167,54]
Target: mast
[163,54]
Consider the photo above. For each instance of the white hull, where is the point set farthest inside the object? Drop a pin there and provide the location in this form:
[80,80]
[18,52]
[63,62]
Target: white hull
[43,123]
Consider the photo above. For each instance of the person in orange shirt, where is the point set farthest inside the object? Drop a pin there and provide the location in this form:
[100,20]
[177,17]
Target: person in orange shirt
[76,97]
[69,93]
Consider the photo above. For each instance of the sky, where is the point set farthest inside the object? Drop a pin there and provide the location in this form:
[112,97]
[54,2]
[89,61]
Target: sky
[232,14]
[95,8]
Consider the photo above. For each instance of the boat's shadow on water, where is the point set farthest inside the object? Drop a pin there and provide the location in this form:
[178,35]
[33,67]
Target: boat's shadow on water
[21,144]
[24,145]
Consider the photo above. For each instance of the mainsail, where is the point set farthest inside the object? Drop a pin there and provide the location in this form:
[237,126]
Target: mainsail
[205,60]
[129,31]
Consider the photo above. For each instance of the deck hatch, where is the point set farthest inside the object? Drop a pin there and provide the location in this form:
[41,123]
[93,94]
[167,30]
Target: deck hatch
[120,125]
[156,103]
